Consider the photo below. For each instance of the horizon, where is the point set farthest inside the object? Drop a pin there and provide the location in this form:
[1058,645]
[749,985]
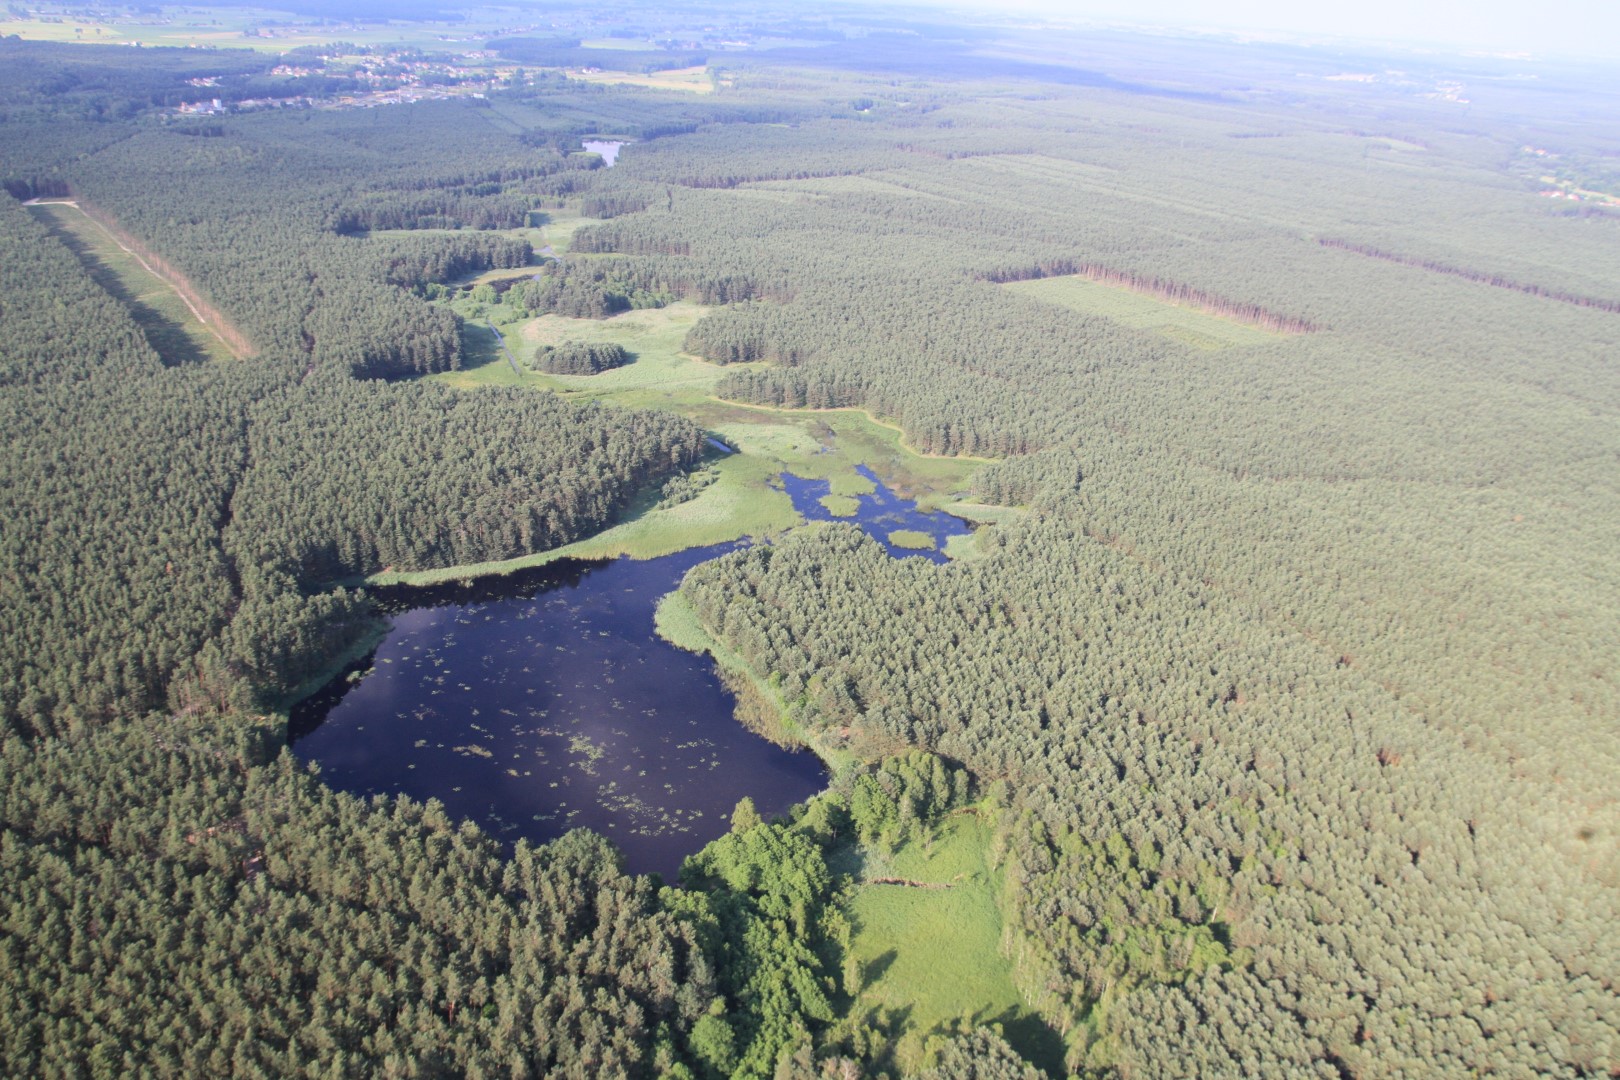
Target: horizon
[1587,29]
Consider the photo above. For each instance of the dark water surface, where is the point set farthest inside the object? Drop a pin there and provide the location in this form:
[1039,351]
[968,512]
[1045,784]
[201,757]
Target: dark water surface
[880,514]
[543,702]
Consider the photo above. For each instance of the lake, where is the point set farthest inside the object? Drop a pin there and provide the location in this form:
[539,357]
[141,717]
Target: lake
[543,701]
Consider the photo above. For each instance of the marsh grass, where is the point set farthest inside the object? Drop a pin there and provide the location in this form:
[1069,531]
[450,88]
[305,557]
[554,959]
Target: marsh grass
[911,540]
[746,499]
[841,505]
[981,513]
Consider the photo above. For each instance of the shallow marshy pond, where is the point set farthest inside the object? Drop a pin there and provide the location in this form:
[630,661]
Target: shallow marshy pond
[892,521]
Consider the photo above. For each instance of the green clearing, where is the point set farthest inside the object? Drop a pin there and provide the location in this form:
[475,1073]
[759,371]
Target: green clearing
[933,955]
[169,325]
[911,540]
[746,500]
[841,185]
[1184,324]
[620,44]
[556,231]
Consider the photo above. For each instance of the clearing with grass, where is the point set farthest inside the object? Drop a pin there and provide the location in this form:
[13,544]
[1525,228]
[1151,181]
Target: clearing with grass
[930,948]
[1188,325]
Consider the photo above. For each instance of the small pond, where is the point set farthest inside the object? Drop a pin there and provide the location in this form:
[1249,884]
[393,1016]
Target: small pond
[881,514]
[543,702]
[608,150]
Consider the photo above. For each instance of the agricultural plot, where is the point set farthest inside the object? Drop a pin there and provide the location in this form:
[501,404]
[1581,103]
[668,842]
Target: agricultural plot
[265,29]
[842,185]
[693,80]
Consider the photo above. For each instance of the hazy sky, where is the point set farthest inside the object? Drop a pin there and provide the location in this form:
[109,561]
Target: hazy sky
[1572,27]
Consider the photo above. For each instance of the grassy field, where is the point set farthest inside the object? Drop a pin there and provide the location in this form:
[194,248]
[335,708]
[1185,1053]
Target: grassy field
[934,955]
[555,232]
[559,229]
[169,325]
[839,185]
[621,44]
[1184,324]
[693,79]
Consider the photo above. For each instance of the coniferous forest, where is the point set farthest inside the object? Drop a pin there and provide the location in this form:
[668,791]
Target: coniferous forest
[1277,698]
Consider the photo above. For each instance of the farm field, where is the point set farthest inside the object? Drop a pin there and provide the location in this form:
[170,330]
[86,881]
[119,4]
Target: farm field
[695,80]
[264,29]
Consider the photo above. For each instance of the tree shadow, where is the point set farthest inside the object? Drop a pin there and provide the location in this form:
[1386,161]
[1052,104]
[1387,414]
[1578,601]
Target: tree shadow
[875,968]
[1034,1041]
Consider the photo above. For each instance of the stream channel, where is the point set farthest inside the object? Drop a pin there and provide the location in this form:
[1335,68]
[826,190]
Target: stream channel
[543,701]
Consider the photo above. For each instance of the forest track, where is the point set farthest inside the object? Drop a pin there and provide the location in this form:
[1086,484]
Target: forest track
[500,339]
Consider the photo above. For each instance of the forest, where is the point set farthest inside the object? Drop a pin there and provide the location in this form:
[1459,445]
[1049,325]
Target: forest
[1270,724]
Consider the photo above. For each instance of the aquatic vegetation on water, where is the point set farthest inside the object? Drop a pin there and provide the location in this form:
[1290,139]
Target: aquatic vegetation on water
[551,708]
